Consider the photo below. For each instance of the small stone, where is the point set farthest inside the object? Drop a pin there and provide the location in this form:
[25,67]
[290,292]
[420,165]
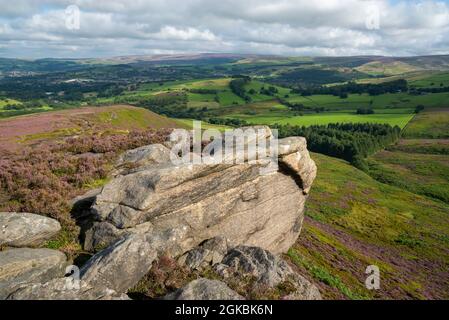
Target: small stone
[209,253]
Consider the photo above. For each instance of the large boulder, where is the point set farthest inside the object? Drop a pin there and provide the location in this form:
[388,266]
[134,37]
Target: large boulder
[26,229]
[154,208]
[19,267]
[232,199]
[265,211]
[204,289]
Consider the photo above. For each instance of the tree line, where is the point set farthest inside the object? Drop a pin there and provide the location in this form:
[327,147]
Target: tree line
[351,87]
[350,141]
[238,87]
[429,90]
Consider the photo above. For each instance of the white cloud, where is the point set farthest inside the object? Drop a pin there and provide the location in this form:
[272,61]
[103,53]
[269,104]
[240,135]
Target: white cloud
[30,28]
[173,33]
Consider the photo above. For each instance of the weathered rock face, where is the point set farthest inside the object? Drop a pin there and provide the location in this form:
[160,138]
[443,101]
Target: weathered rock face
[210,200]
[142,157]
[301,167]
[238,264]
[209,253]
[19,267]
[204,289]
[122,265]
[267,269]
[26,229]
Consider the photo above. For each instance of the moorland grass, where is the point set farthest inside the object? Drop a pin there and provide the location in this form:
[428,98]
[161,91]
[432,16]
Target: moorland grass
[354,221]
[433,124]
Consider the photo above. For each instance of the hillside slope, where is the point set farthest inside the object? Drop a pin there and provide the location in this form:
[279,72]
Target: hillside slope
[353,221]
[30,129]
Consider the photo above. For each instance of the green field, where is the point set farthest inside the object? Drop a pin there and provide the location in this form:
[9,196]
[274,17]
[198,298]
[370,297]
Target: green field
[354,101]
[353,221]
[196,100]
[394,119]
[188,123]
[5,113]
[4,102]
[394,109]
[258,85]
[228,98]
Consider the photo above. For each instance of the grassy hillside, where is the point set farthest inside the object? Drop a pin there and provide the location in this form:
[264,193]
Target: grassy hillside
[426,174]
[30,129]
[426,146]
[377,68]
[395,218]
[418,165]
[354,221]
[433,80]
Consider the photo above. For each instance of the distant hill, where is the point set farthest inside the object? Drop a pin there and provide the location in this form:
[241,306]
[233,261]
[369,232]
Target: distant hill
[439,62]
[167,58]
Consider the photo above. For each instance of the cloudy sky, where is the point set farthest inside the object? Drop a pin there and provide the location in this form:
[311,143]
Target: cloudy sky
[51,28]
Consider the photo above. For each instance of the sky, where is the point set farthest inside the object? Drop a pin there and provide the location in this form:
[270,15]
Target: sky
[106,28]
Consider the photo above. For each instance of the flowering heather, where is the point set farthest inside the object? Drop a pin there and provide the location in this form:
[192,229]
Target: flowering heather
[42,179]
